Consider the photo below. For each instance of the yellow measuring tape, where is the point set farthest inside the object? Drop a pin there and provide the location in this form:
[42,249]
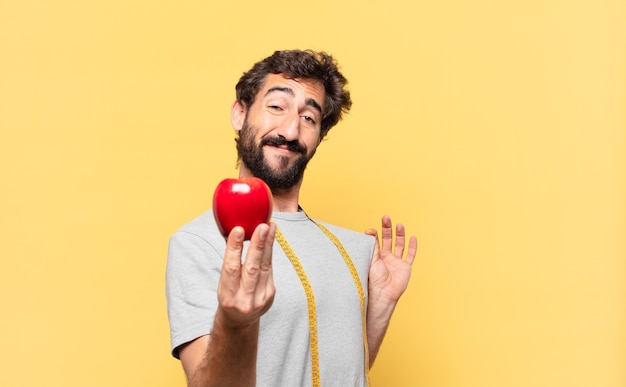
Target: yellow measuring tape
[310,299]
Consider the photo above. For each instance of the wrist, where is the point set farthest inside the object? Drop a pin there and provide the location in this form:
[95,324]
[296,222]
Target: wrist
[225,323]
[380,296]
[380,307]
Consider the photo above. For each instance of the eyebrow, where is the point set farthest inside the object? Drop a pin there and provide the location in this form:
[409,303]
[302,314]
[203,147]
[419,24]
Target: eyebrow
[309,101]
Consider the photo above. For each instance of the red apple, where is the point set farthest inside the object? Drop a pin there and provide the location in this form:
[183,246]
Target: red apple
[245,202]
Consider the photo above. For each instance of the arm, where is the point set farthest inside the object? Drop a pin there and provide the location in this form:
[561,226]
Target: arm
[389,276]
[245,292]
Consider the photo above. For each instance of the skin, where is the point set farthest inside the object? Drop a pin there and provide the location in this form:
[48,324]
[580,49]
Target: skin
[291,109]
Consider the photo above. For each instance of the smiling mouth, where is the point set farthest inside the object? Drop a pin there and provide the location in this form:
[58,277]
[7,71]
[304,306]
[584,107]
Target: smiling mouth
[282,149]
[284,146]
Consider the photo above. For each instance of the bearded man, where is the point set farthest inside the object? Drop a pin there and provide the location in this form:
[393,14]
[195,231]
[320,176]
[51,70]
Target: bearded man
[303,303]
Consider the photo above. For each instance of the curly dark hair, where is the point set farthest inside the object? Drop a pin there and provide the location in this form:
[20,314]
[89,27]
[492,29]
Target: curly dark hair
[301,64]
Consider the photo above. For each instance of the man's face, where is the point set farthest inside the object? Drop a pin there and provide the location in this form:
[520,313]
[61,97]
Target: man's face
[281,130]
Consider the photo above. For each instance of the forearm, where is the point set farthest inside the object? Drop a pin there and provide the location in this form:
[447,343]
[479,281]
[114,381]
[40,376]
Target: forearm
[378,317]
[230,357]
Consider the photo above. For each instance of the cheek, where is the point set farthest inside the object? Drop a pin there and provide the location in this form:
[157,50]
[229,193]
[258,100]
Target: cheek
[268,124]
[312,142]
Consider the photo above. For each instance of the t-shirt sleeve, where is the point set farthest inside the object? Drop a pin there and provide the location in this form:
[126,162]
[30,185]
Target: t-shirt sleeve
[192,275]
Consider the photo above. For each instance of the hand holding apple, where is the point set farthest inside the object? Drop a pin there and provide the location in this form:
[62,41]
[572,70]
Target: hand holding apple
[245,202]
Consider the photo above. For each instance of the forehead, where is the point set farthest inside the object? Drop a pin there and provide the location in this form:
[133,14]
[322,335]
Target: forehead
[302,88]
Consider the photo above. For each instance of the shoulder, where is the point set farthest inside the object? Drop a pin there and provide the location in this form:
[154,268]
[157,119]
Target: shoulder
[202,227]
[200,233]
[350,237]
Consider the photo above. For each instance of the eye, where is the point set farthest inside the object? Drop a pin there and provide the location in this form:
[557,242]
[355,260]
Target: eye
[309,119]
[275,107]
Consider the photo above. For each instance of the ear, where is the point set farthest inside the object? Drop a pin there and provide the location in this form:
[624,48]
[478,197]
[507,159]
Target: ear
[238,115]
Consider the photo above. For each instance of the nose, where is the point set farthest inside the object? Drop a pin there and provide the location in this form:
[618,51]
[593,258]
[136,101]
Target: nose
[290,127]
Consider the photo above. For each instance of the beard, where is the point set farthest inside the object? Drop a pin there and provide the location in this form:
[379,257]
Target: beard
[285,176]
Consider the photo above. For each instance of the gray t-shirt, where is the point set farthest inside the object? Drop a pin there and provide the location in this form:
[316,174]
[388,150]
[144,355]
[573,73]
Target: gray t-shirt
[194,265]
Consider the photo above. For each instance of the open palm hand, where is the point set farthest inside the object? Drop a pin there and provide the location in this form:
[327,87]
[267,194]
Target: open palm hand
[390,271]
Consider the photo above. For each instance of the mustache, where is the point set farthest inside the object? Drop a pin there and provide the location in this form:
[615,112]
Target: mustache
[293,146]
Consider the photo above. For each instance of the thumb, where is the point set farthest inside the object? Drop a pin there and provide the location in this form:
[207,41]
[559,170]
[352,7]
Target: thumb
[373,232]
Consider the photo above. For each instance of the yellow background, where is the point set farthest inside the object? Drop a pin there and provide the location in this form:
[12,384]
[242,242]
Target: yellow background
[496,131]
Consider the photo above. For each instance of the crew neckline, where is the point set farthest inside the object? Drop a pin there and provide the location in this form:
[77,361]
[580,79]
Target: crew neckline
[292,216]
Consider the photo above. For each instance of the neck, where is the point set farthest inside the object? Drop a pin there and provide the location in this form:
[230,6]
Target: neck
[285,200]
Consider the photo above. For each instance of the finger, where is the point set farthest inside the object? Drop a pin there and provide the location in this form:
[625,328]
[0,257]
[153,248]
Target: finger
[266,257]
[265,285]
[399,246]
[412,250]
[250,271]
[387,233]
[231,268]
